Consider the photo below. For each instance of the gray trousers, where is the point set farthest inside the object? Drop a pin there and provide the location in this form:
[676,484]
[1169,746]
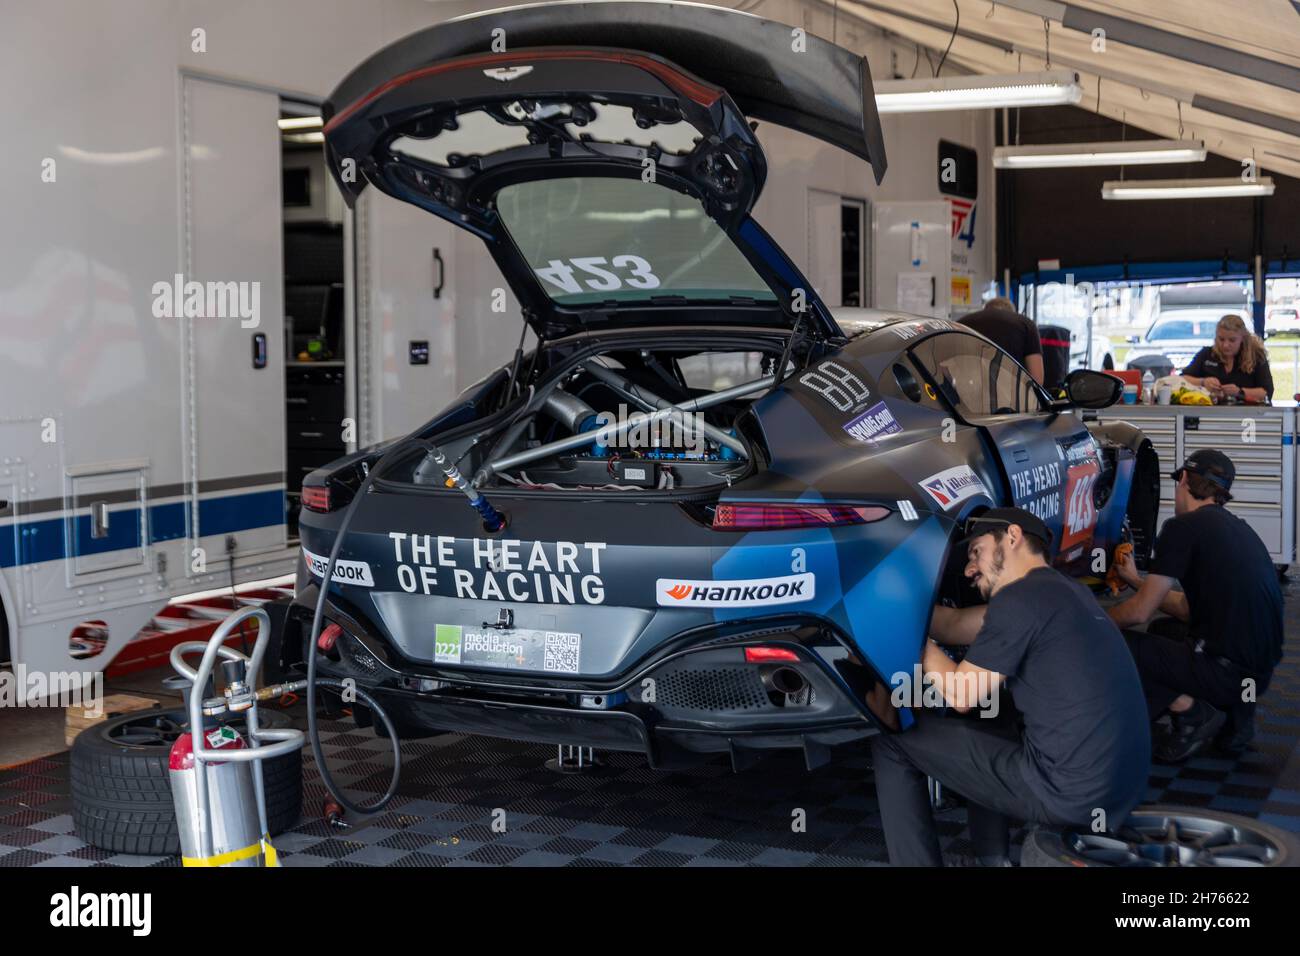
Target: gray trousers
[984,765]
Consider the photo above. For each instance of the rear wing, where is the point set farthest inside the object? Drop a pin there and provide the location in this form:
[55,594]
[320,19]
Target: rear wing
[801,82]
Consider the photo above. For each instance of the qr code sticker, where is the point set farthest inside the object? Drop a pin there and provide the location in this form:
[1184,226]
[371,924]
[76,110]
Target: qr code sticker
[562,652]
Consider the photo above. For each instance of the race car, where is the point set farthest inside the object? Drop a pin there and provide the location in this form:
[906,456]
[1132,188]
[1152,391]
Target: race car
[708,517]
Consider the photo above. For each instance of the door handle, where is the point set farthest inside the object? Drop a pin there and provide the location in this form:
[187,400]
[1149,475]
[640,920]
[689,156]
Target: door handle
[99,519]
[442,273]
[933,291]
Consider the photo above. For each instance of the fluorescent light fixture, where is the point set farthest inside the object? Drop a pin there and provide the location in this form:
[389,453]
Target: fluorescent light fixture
[1136,153]
[301,122]
[316,137]
[1051,88]
[1221,187]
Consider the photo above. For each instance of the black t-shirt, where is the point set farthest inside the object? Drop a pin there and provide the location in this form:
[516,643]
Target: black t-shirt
[1233,598]
[1207,365]
[1009,331]
[1087,733]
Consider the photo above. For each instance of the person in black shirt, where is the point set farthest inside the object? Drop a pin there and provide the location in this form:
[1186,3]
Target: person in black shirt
[1085,751]
[1010,331]
[1236,364]
[1208,675]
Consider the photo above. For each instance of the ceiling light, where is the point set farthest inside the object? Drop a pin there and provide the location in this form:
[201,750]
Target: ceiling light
[316,137]
[1135,153]
[300,122]
[1224,186]
[1051,88]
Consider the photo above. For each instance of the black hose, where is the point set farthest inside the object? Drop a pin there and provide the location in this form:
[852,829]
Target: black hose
[313,731]
[392,735]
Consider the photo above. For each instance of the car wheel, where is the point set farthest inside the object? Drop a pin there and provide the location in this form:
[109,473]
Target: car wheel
[121,793]
[1166,836]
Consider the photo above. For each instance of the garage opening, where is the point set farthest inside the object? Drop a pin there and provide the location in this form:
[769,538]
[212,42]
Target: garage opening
[316,362]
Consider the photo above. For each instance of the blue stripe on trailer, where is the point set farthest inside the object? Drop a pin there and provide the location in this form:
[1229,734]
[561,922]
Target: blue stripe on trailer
[33,542]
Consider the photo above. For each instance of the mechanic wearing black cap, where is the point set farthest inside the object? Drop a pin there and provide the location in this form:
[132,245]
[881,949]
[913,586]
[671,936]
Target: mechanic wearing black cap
[1230,601]
[1085,746]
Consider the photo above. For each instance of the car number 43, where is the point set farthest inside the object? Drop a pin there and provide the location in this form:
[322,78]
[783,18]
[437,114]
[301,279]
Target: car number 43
[1080,512]
[632,272]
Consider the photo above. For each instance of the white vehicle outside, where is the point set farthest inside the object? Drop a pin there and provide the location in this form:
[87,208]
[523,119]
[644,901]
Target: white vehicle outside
[1178,335]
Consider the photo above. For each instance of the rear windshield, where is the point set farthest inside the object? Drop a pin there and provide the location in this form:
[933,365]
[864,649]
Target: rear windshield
[595,239]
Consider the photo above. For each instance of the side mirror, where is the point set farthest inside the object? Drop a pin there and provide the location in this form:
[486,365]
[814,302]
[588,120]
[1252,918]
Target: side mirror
[1085,388]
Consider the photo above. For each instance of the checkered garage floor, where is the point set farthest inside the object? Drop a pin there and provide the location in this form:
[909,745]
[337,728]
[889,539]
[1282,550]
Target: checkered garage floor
[623,813]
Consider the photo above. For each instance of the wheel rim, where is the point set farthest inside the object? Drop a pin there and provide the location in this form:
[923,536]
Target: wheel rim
[1174,839]
[149,730]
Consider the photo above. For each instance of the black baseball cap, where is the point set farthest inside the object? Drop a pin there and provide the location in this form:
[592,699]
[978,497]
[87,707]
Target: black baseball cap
[1029,523]
[1211,464]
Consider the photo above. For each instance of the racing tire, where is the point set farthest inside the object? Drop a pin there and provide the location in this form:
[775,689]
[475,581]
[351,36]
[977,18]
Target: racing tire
[1166,836]
[121,793]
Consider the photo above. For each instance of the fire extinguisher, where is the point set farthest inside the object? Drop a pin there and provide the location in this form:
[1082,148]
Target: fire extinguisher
[236,836]
[215,773]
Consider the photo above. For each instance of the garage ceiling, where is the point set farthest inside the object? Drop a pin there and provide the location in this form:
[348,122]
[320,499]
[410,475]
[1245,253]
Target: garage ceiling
[1232,70]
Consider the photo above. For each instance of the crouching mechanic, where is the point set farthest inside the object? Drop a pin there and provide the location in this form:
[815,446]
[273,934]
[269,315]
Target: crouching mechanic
[1222,654]
[1085,746]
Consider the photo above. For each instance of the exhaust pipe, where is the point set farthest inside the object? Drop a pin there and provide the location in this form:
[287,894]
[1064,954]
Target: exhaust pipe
[784,680]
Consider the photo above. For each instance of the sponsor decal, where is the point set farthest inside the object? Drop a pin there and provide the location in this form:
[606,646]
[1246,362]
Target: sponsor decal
[953,486]
[1038,490]
[514,649]
[910,330]
[876,422]
[487,569]
[345,572]
[963,220]
[752,592]
[446,644]
[1077,451]
[907,509]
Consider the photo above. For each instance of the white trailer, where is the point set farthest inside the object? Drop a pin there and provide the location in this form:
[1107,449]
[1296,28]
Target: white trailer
[147,453]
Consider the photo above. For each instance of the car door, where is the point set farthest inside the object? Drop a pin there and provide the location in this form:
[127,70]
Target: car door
[1049,462]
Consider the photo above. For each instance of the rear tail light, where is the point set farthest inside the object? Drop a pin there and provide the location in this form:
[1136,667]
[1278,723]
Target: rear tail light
[316,497]
[763,655]
[773,517]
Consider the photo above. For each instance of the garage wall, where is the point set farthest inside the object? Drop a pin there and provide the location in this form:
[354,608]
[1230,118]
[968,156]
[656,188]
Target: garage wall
[799,163]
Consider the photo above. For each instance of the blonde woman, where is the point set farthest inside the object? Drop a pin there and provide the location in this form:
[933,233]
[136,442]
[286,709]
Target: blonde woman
[1236,364]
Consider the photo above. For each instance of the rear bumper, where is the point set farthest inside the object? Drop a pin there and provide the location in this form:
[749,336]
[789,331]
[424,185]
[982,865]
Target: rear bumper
[701,695]
[665,746]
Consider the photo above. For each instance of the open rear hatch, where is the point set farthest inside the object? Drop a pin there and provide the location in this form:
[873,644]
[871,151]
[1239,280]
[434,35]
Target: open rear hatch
[454,116]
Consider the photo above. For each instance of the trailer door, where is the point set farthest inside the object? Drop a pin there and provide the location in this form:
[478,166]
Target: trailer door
[233,354]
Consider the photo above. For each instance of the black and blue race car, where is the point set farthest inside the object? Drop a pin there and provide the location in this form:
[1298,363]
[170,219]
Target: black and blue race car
[712,517]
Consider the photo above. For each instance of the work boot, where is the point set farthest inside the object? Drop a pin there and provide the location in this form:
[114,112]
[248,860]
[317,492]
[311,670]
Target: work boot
[1238,731]
[1192,730]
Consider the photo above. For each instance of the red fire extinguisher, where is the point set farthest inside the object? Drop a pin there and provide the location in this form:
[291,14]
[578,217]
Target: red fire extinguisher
[216,776]
[236,836]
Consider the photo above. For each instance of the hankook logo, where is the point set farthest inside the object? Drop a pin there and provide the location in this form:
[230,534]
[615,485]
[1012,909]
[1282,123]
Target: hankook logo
[753,592]
[507,73]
